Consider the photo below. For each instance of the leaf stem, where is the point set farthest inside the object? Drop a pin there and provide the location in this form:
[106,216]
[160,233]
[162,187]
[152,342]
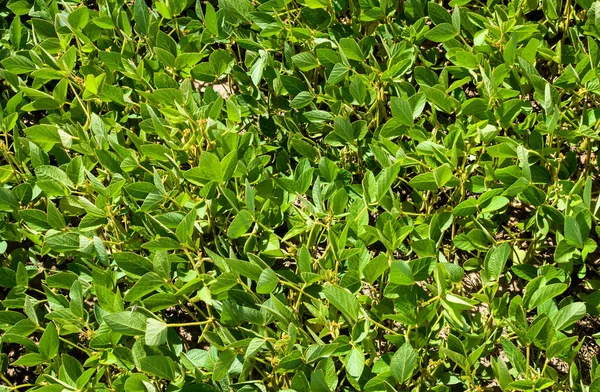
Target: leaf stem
[190,324]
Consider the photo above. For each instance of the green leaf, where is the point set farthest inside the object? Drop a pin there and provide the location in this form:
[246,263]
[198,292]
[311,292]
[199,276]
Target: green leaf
[441,33]
[79,18]
[511,49]
[545,293]
[561,347]
[163,243]
[301,100]
[18,65]
[515,356]
[108,300]
[240,224]
[158,365]
[315,4]
[267,282]
[49,342]
[55,218]
[438,14]
[223,365]
[133,263]
[63,242]
[424,182]
[573,232]
[337,74]
[258,68]
[220,62]
[358,90]
[404,362]
[76,296]
[208,169]
[385,179]
[22,278]
[147,284]
[442,175]
[402,111]
[351,49]
[126,323]
[466,208]
[211,20]
[8,202]
[43,134]
[31,359]
[374,268]
[141,16]
[401,273]
[343,131]
[355,363]
[523,155]
[440,99]
[568,315]
[47,172]
[156,332]
[344,301]
[305,61]
[497,203]
[474,106]
[496,259]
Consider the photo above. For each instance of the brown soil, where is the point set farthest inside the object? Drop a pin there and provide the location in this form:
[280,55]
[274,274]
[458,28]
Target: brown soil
[585,328]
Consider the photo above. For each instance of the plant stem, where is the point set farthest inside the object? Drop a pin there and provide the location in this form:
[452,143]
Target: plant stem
[191,324]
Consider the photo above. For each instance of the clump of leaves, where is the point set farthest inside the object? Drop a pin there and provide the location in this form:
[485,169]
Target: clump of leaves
[299,195]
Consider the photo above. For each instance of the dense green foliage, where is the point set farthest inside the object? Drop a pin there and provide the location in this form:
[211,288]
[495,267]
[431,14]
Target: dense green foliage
[308,195]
